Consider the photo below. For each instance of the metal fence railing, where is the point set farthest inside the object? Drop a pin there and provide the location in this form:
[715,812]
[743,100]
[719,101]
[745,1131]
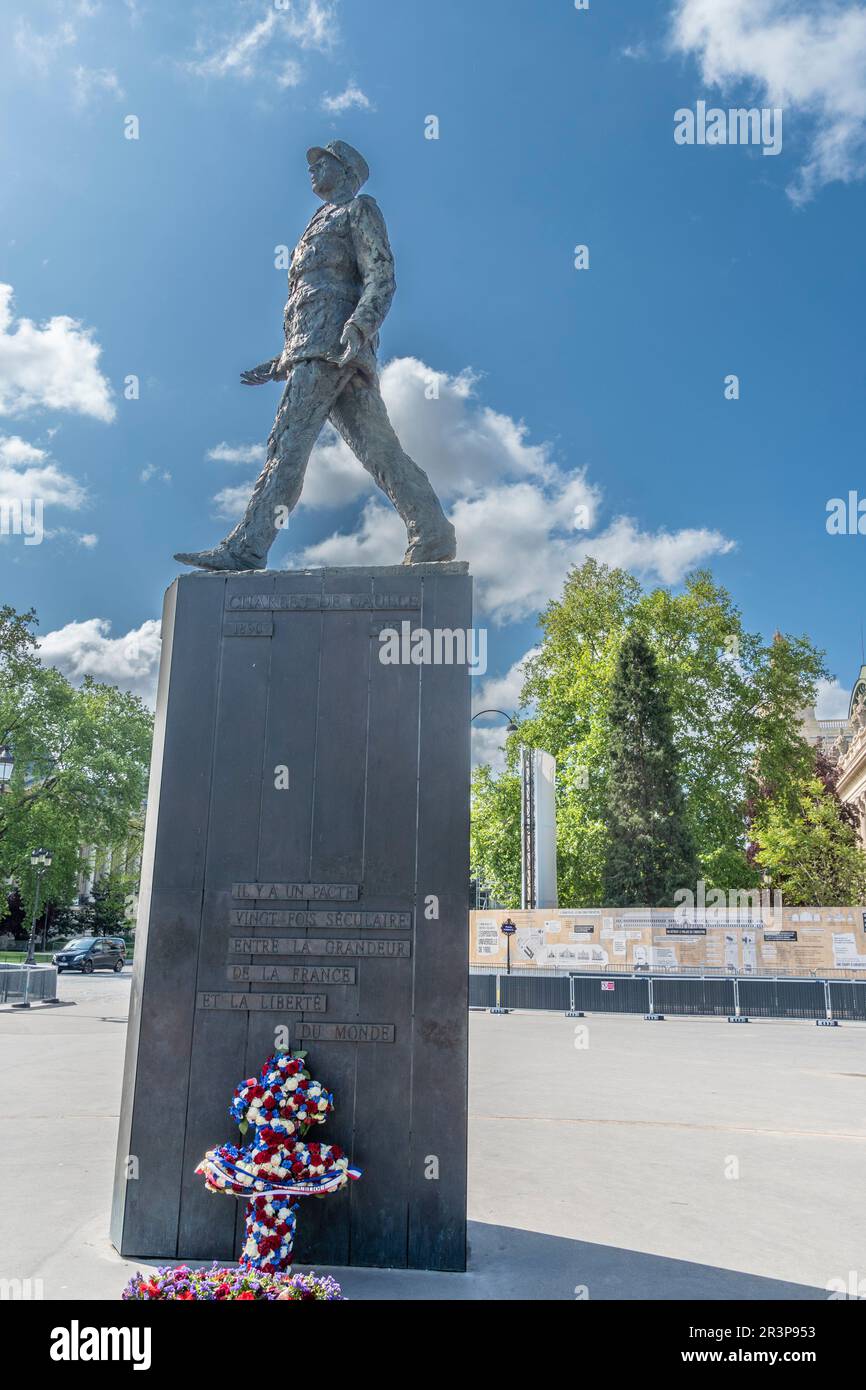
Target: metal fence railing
[28,983]
[610,991]
[720,972]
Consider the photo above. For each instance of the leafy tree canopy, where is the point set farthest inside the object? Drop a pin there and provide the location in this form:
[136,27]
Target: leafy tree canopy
[732,699]
[81,757]
[812,856]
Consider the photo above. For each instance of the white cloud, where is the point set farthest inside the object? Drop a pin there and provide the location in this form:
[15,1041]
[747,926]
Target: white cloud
[459,442]
[522,519]
[43,53]
[488,745]
[88,649]
[503,692]
[28,473]
[804,57]
[230,502]
[334,476]
[379,539]
[496,693]
[239,57]
[237,453]
[87,83]
[351,98]
[833,700]
[55,366]
[253,51]
[290,74]
[150,471]
[520,542]
[39,51]
[666,555]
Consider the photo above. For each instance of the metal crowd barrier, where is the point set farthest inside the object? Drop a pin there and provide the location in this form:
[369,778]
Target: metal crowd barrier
[739,996]
[28,984]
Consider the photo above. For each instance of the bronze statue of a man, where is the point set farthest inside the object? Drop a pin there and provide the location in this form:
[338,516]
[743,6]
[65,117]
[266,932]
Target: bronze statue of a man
[341,283]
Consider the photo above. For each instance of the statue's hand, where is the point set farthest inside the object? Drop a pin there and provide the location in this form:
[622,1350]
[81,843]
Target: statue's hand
[259,375]
[352,340]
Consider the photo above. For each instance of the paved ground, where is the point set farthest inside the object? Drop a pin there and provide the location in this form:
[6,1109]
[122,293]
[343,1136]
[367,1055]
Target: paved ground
[688,1158]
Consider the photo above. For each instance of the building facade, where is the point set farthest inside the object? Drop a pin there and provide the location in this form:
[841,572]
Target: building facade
[844,743]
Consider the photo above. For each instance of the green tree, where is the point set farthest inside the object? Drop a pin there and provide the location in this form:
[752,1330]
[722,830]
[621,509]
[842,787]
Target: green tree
[783,760]
[80,764]
[813,855]
[105,913]
[649,852]
[495,836]
[719,682]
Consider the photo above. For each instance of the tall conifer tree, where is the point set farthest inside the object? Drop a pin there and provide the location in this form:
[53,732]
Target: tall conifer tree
[650,851]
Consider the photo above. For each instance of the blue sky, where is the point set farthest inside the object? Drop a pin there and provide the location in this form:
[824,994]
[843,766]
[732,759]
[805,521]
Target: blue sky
[596,394]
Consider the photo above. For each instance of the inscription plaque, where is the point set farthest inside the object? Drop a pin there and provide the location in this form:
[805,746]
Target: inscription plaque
[298,892]
[344,1032]
[269,1003]
[248,627]
[320,603]
[318,946]
[348,919]
[292,974]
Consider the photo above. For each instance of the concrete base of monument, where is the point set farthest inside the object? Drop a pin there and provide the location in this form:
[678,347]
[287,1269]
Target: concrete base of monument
[303,887]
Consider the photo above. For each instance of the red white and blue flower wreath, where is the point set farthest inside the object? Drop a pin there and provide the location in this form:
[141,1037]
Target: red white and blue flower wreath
[279,1164]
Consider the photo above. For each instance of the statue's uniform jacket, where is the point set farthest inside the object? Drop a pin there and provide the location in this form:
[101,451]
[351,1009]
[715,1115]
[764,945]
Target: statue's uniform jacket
[342,272]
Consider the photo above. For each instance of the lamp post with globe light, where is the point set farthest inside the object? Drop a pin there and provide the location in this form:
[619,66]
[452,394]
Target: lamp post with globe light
[41,860]
[512,725]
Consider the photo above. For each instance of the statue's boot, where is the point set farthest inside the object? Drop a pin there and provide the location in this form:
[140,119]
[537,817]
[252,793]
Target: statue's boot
[222,557]
[426,548]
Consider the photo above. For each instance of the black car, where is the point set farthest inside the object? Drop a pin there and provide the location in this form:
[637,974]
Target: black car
[88,953]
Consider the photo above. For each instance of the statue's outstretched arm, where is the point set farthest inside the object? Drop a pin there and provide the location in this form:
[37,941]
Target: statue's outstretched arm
[266,371]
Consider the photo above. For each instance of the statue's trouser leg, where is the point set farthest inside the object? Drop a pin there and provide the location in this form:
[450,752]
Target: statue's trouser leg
[311,390]
[362,419]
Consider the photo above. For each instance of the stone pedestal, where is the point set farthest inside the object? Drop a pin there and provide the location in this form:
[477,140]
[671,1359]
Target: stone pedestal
[304,884]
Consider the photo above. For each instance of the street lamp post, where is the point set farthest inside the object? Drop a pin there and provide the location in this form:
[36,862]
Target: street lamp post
[41,860]
[508,929]
[512,723]
[7,766]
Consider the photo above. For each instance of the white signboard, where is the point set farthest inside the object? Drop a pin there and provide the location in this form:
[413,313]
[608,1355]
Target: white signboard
[661,957]
[486,936]
[750,959]
[530,944]
[568,956]
[845,955]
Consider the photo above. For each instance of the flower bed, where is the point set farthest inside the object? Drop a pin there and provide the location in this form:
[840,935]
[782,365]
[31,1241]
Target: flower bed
[221,1285]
